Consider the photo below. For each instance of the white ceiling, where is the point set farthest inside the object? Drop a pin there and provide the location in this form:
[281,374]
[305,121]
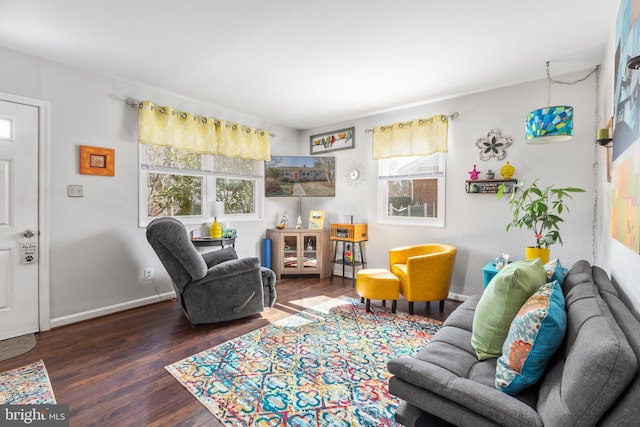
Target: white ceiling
[310,63]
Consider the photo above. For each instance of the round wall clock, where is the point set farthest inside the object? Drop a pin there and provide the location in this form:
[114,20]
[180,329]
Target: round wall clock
[355,174]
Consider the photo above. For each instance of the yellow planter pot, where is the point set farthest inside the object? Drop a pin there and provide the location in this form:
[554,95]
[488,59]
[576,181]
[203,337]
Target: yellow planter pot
[531,252]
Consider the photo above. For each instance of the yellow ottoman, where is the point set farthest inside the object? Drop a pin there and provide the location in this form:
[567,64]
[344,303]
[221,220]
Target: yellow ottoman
[378,283]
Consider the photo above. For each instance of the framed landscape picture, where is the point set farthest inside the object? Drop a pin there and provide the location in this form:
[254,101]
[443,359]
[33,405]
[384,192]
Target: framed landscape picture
[300,176]
[332,141]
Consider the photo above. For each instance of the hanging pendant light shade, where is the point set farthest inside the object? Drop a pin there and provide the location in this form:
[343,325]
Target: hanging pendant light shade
[550,124]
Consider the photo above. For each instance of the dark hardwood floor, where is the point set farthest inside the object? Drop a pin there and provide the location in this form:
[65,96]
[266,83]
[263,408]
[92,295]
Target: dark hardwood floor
[110,370]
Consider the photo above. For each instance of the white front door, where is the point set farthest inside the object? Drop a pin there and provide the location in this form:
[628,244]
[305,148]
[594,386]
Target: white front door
[18,219]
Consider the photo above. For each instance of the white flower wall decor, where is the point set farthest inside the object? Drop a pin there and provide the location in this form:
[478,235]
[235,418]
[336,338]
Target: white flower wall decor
[493,145]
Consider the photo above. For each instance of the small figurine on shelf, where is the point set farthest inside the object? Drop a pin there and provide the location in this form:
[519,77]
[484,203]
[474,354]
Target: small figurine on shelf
[284,218]
[490,174]
[474,173]
[299,222]
[310,245]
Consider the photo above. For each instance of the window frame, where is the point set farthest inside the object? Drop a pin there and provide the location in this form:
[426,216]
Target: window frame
[208,196]
[383,216]
[11,127]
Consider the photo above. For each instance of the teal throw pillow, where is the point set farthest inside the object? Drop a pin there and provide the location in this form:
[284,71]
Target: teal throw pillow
[535,334]
[500,302]
[555,271]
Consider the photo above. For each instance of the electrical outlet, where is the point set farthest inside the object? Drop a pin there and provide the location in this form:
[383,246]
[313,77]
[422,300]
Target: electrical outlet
[148,274]
[75,191]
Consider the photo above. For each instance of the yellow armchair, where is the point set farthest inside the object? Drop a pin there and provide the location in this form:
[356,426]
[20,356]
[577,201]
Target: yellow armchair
[424,271]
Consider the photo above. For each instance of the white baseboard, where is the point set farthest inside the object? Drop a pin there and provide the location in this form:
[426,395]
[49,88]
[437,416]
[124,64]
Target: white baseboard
[103,311]
[458,297]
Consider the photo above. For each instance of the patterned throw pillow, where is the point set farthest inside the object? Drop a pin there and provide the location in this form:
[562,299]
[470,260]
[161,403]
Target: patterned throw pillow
[500,302]
[555,271]
[535,334]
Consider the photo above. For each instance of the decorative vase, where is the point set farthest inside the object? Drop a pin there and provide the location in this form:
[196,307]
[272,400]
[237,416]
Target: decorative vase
[215,231]
[473,175]
[507,171]
[531,252]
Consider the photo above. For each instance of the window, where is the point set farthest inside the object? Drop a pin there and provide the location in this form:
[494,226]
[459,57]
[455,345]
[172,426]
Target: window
[6,129]
[185,184]
[412,190]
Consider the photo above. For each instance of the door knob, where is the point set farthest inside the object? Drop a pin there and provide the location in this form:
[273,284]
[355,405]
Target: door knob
[28,234]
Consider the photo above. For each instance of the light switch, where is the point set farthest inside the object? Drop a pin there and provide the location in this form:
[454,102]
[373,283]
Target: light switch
[75,191]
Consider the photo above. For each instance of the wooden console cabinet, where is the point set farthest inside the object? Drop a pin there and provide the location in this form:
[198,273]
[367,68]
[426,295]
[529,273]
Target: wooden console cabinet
[300,251]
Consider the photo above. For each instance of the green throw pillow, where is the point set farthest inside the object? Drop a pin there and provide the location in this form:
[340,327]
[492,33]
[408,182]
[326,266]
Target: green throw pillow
[500,303]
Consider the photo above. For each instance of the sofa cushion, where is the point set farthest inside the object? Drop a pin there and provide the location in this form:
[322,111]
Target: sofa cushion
[626,406]
[535,334]
[428,382]
[216,257]
[500,302]
[601,279]
[595,363]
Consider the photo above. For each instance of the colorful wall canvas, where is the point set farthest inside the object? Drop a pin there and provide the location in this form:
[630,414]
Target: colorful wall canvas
[625,183]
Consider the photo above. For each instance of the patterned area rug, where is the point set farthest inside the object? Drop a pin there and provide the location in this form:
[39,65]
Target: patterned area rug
[27,385]
[324,366]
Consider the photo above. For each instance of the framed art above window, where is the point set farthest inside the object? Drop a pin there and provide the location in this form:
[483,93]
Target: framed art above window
[331,141]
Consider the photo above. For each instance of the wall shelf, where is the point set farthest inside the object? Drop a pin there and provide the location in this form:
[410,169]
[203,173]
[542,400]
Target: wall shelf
[489,186]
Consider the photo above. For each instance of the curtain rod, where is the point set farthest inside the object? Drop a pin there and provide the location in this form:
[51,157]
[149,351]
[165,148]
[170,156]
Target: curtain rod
[135,103]
[451,116]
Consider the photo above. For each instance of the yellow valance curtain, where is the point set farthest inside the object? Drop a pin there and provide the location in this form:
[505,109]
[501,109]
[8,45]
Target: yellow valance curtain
[159,125]
[418,137]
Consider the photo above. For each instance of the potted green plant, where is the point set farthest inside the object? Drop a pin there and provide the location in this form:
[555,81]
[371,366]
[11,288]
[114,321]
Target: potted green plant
[539,210]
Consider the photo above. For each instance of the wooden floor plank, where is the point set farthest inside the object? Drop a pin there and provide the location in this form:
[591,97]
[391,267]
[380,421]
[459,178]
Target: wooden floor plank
[110,370]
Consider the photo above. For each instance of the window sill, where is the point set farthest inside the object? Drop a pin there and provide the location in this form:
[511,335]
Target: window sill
[413,222]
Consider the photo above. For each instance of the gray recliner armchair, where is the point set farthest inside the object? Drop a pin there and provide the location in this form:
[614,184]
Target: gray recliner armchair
[214,286]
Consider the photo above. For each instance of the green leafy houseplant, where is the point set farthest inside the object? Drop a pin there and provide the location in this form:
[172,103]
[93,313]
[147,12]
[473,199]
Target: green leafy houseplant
[539,210]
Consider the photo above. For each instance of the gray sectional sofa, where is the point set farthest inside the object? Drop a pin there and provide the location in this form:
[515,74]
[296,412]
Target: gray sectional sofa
[593,379]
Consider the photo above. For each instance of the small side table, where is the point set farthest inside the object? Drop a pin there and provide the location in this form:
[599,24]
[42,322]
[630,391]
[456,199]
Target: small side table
[200,243]
[489,271]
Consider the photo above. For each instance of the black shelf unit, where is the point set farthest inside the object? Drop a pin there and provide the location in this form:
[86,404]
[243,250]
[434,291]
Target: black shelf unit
[489,186]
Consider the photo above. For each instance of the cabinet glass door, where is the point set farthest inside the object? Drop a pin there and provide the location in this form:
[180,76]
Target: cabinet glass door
[310,251]
[290,252]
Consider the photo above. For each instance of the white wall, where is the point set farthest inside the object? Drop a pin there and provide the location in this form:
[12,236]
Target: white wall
[622,263]
[97,250]
[476,223]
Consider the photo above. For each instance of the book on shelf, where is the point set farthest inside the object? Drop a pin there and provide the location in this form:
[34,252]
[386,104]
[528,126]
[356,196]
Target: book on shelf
[316,220]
